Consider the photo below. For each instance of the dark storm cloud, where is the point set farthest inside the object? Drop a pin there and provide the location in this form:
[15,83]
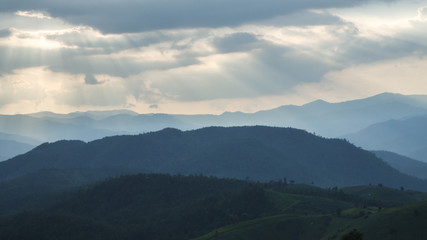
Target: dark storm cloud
[137,16]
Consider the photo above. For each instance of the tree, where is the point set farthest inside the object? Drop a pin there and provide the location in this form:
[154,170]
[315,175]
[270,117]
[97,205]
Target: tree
[353,235]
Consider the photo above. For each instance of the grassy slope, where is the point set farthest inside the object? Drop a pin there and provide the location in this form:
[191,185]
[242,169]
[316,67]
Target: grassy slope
[392,196]
[297,222]
[274,227]
[403,222]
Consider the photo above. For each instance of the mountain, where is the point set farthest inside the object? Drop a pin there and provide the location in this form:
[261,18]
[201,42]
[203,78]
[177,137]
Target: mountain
[321,117]
[19,138]
[337,119]
[406,137]
[404,164]
[90,114]
[258,153]
[421,153]
[9,149]
[43,130]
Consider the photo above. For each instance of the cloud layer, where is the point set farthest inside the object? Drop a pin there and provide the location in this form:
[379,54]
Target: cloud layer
[136,16]
[205,56]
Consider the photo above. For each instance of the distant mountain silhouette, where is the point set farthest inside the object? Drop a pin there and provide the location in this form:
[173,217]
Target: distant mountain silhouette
[42,129]
[20,139]
[404,164]
[90,114]
[258,153]
[419,154]
[10,148]
[337,119]
[407,137]
[323,118]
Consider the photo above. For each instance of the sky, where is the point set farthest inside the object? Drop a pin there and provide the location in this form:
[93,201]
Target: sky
[206,56]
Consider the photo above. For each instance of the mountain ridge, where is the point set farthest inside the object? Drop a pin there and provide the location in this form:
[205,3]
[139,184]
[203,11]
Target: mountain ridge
[259,153]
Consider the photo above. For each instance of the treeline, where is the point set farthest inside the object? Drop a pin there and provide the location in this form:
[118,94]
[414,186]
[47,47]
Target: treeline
[154,206]
[162,206]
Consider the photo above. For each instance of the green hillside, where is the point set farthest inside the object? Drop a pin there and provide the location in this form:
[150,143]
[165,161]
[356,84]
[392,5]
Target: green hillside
[404,222]
[158,206]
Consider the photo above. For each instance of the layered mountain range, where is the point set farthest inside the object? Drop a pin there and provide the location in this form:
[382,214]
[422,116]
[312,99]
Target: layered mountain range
[387,121]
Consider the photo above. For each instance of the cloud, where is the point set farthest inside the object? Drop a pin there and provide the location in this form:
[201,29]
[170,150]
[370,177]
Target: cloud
[402,75]
[162,55]
[25,57]
[5,33]
[236,42]
[303,18]
[33,14]
[137,16]
[422,13]
[91,80]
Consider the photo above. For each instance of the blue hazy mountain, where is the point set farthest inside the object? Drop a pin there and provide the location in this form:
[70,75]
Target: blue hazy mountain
[258,153]
[337,119]
[90,114]
[407,137]
[323,118]
[46,129]
[10,148]
[404,164]
[12,145]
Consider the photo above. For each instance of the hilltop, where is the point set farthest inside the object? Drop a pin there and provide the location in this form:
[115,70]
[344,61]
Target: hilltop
[257,153]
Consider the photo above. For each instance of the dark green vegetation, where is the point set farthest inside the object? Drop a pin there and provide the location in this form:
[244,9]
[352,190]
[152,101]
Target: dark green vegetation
[155,206]
[258,153]
[38,189]
[370,223]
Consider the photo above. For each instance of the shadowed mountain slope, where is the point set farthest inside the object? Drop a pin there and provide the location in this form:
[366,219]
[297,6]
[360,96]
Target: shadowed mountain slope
[258,153]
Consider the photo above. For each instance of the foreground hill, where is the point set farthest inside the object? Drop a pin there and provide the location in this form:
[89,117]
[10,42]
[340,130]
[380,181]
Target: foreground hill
[404,222]
[258,153]
[37,189]
[143,207]
[160,207]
